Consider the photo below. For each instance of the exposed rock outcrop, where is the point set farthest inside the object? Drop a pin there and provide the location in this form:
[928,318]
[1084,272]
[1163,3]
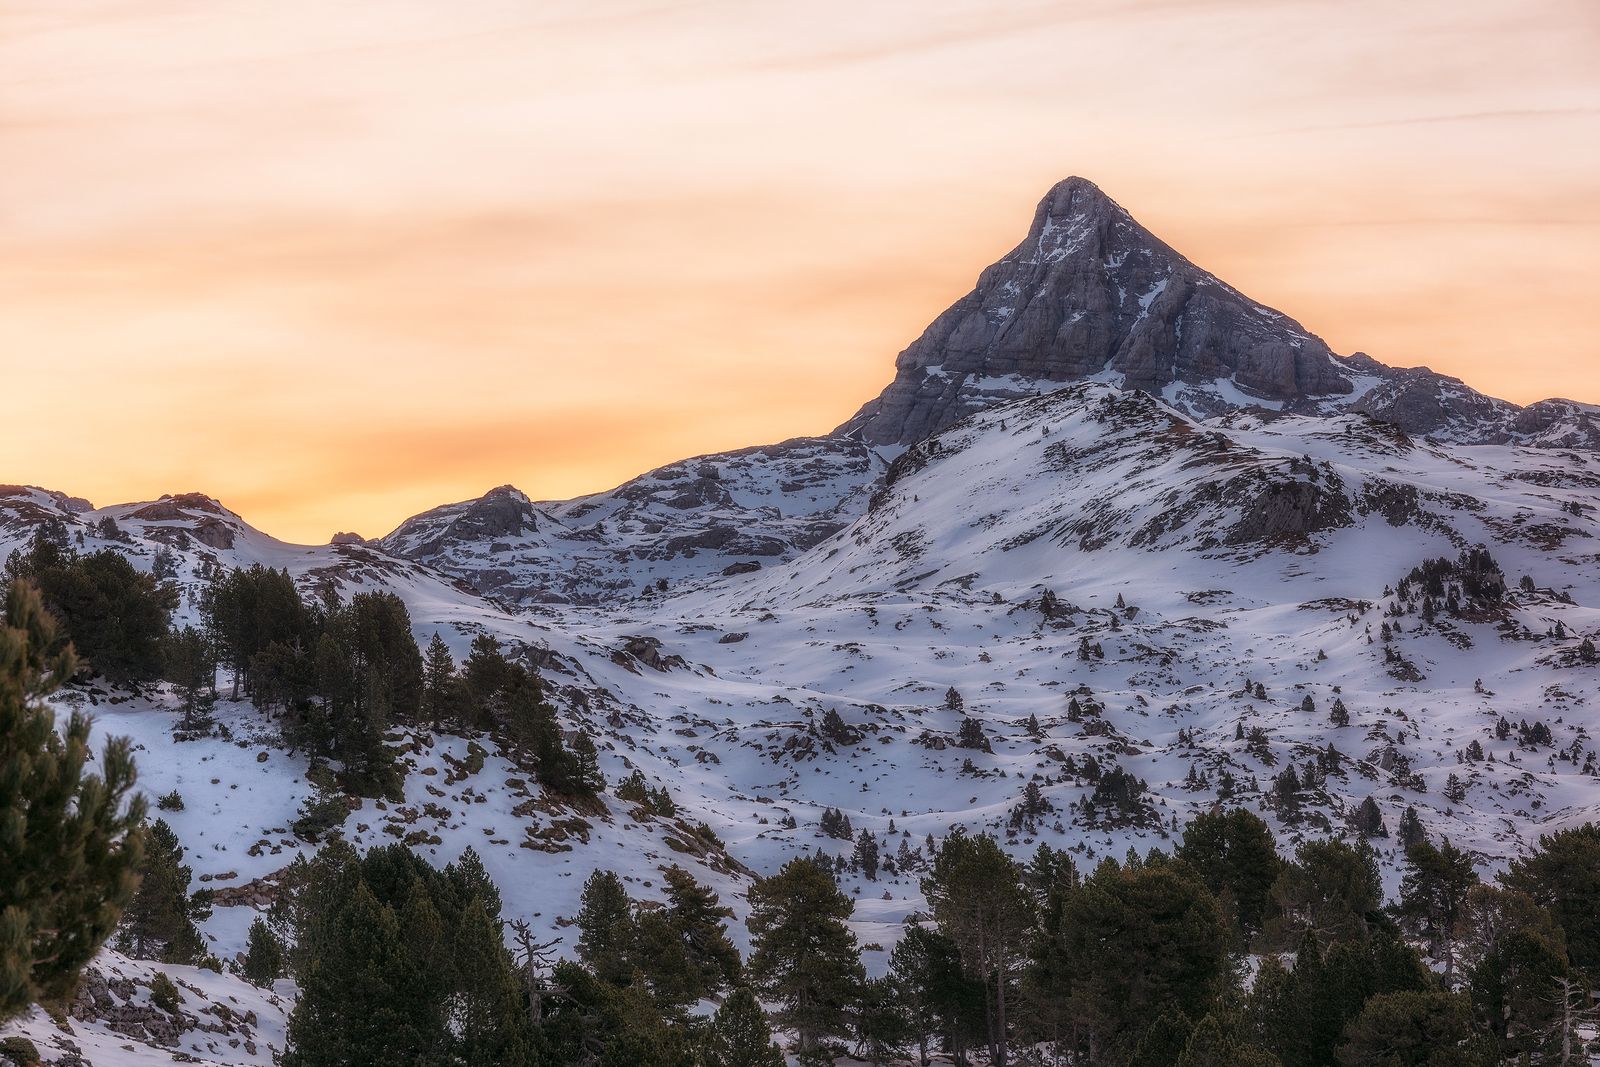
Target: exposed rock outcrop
[1090,292]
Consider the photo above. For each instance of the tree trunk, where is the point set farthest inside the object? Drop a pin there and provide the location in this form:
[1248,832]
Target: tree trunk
[988,1023]
[1000,1017]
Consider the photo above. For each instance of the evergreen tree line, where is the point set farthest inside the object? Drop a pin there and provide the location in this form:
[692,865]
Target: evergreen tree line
[399,962]
[115,616]
[1137,963]
[342,675]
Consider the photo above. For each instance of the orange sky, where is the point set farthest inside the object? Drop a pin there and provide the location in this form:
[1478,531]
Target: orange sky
[338,262]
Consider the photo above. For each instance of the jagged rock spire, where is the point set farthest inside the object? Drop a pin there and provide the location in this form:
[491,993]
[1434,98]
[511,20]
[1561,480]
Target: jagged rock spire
[1091,293]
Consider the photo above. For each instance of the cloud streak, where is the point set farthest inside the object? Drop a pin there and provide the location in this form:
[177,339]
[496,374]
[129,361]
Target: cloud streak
[1503,115]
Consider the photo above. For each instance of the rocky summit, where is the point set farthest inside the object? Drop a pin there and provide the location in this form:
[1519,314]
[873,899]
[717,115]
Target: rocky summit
[1090,294]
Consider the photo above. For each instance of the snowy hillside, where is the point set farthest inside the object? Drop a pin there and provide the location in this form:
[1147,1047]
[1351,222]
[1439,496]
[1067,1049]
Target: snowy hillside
[1088,296]
[1091,559]
[691,519]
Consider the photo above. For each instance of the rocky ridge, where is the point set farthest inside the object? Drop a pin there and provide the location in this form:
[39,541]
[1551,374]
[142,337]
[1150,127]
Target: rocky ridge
[1091,294]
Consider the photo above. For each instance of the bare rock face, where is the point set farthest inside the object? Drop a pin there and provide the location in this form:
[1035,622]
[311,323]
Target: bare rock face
[686,520]
[1425,403]
[1558,424]
[178,506]
[502,512]
[1090,292]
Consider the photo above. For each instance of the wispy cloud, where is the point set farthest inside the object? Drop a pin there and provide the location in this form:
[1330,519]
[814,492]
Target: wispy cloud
[1504,115]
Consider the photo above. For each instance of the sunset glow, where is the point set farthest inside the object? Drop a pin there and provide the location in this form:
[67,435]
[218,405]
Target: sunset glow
[338,263]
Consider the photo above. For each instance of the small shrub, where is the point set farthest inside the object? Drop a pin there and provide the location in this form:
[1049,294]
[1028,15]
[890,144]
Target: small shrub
[319,814]
[19,1050]
[165,995]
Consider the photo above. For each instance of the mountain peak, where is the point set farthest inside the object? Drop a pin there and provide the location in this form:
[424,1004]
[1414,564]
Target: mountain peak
[1073,196]
[1090,293]
[506,492]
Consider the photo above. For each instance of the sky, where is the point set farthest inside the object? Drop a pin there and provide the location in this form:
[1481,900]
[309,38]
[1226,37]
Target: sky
[337,262]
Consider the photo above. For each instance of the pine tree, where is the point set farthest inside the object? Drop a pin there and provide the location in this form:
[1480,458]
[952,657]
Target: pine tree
[356,1006]
[1411,830]
[835,823]
[424,974]
[1563,874]
[1339,715]
[70,843]
[1217,1043]
[940,1000]
[190,664]
[606,929]
[1140,939]
[1410,1030]
[469,880]
[739,1035]
[488,675]
[1330,887]
[591,1022]
[1433,895]
[1368,820]
[866,855]
[586,777]
[804,956]
[976,896]
[486,1011]
[164,564]
[971,735]
[438,683]
[1517,966]
[160,920]
[1233,853]
[263,960]
[1164,1042]
[694,917]
[881,1022]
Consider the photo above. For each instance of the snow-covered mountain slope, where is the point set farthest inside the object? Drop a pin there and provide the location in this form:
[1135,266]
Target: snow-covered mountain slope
[220,1020]
[1103,577]
[1257,549]
[691,519]
[1241,548]
[1089,295]
[1091,547]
